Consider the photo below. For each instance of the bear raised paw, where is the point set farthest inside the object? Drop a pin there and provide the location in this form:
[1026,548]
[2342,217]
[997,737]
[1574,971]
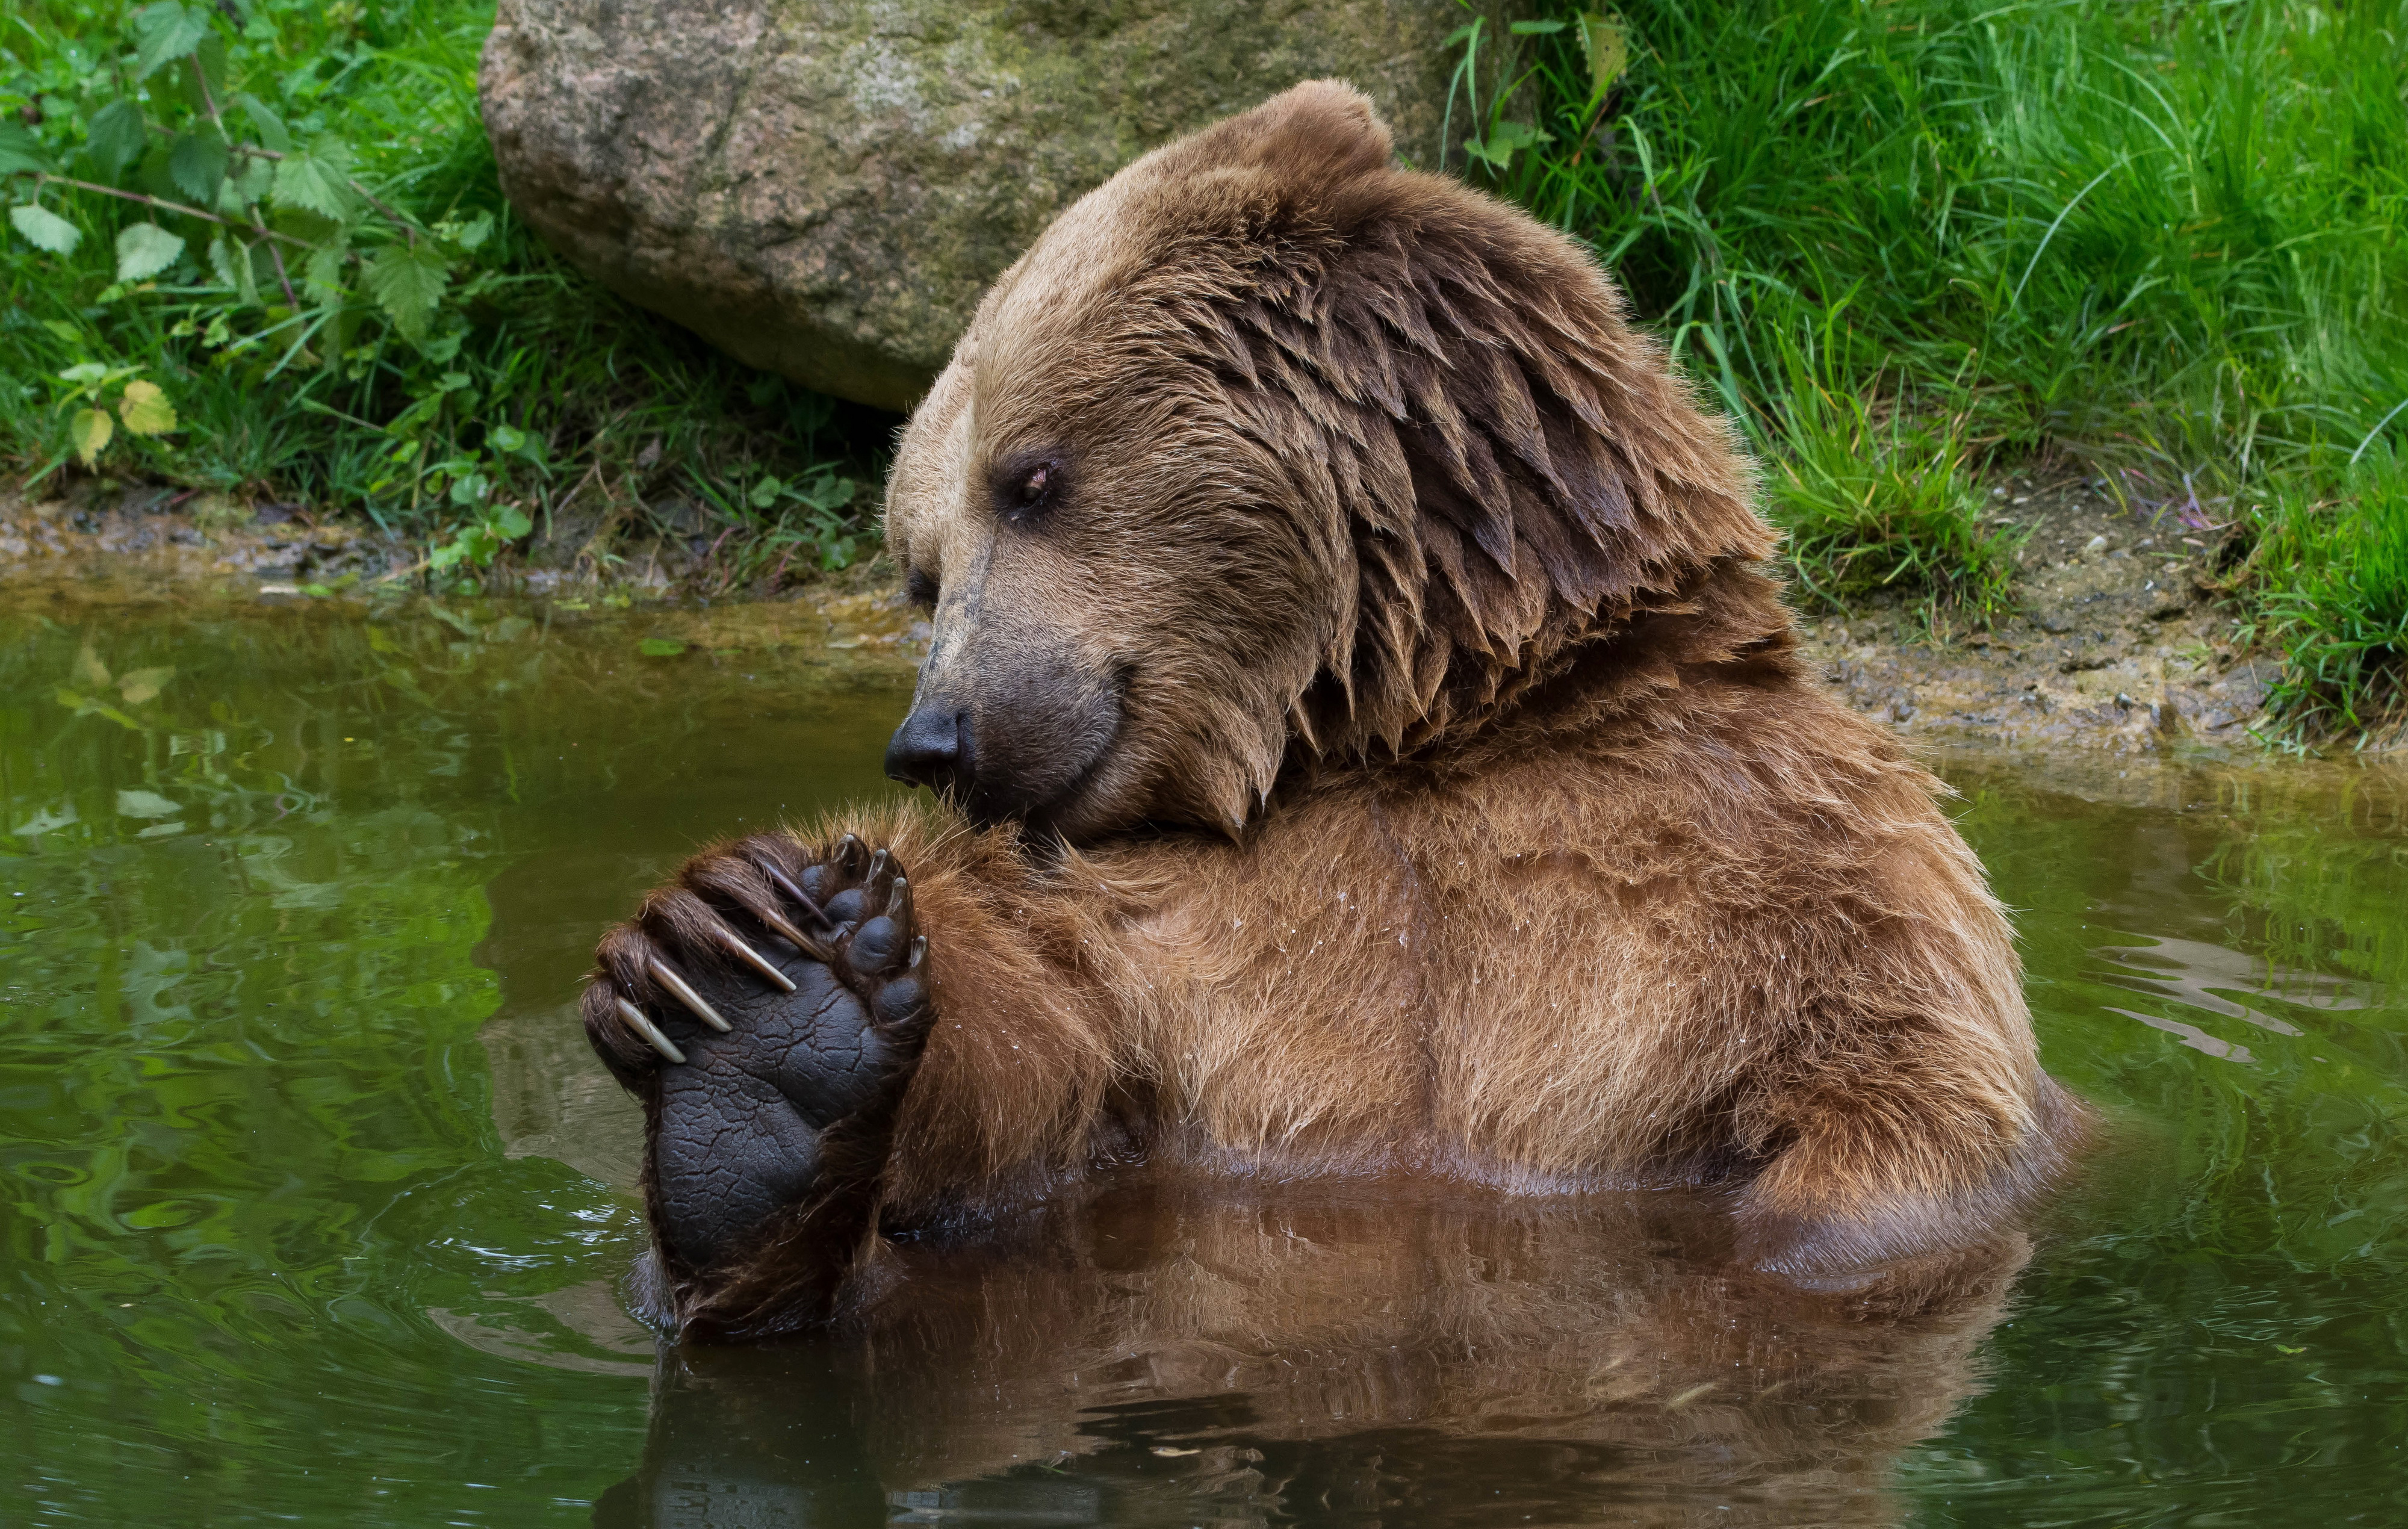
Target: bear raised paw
[1362,738]
[768,1007]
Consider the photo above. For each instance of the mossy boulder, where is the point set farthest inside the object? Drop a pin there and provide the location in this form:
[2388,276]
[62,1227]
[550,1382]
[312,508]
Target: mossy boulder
[823,189]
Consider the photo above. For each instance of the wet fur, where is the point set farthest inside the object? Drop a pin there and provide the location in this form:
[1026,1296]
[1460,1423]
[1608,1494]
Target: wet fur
[1467,811]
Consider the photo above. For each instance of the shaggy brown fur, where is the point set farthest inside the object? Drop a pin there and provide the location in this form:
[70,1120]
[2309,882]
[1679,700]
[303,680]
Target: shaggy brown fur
[1430,785]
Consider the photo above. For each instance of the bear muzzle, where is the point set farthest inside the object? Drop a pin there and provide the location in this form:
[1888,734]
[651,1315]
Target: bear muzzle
[1028,747]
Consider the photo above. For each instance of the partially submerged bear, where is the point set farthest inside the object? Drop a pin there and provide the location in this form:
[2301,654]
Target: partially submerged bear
[1369,745]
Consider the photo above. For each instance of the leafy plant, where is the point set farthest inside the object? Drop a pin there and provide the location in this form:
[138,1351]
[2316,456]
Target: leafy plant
[307,250]
[824,501]
[492,528]
[352,320]
[1603,40]
[139,403]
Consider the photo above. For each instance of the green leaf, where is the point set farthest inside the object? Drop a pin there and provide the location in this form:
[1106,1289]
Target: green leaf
[88,670]
[145,250]
[230,259]
[165,32]
[513,522]
[505,437]
[248,182]
[1536,29]
[660,647]
[1502,140]
[407,281]
[145,684]
[146,411]
[1608,41]
[116,139]
[827,493]
[210,55]
[323,273]
[197,163]
[766,493]
[319,181]
[272,132]
[90,431]
[152,174]
[84,372]
[46,228]
[20,150]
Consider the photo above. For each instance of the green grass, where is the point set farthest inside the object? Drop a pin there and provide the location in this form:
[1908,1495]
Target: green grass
[527,387]
[2170,239]
[1875,496]
[2330,573]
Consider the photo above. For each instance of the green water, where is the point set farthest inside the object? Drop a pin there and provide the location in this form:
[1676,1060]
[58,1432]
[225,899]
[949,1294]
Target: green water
[312,1202]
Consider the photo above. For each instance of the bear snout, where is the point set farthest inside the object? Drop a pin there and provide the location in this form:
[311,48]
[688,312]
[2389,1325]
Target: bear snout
[1027,741]
[926,750]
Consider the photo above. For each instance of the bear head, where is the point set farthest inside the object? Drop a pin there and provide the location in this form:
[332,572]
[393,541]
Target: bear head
[1269,454]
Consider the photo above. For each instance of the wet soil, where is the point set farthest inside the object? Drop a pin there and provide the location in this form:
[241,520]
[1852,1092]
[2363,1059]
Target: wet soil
[144,545]
[2116,639]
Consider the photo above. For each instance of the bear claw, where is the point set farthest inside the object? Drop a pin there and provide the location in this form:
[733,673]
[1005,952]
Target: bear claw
[643,1025]
[748,1048]
[736,947]
[819,914]
[684,994]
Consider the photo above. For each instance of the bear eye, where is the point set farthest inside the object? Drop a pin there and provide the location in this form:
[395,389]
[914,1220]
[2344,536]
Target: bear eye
[920,589]
[1023,490]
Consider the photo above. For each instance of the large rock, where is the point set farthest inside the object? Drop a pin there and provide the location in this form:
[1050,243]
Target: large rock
[823,189]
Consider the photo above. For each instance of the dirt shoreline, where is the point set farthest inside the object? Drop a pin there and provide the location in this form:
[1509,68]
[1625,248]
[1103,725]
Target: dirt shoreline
[2118,644]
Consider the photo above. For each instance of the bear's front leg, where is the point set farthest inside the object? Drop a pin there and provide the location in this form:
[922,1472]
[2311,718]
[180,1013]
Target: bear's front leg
[769,1007]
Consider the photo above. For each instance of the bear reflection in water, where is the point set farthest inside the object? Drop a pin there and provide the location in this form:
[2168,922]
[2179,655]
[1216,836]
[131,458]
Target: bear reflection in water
[1176,1351]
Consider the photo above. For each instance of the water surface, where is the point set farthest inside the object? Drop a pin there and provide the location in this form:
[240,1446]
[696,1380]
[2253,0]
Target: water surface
[310,1201]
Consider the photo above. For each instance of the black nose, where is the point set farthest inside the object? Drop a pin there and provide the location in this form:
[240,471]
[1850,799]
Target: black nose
[926,750]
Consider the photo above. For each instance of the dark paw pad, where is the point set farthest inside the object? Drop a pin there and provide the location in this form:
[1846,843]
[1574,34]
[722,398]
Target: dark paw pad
[765,997]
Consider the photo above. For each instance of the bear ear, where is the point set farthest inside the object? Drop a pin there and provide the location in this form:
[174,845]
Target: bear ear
[1318,134]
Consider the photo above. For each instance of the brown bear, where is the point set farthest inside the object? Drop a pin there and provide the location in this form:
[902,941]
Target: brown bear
[1367,743]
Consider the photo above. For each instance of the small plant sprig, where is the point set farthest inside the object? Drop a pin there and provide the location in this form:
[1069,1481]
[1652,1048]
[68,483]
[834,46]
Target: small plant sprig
[809,517]
[1604,40]
[140,403]
[293,235]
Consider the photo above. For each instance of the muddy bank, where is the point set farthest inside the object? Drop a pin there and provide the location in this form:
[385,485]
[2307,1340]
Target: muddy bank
[2117,643]
[148,546]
